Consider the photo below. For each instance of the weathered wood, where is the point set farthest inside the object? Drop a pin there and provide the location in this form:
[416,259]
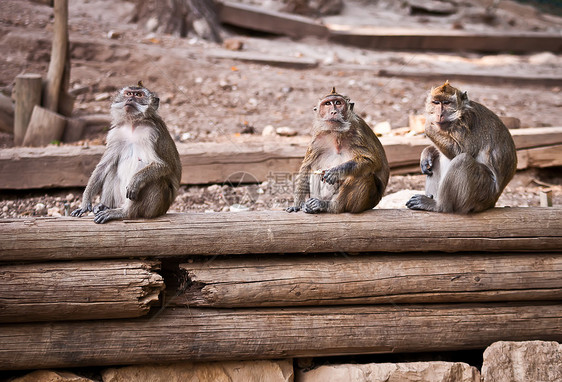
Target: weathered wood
[78,290]
[28,95]
[344,280]
[266,59]
[399,230]
[205,163]
[209,334]
[540,157]
[6,114]
[260,19]
[74,129]
[55,81]
[44,127]
[439,40]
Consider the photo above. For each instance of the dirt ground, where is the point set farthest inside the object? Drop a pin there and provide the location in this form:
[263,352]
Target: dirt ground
[204,98]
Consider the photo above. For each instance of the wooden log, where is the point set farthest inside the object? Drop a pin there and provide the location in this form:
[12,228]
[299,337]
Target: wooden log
[540,157]
[78,290]
[6,114]
[452,40]
[55,81]
[44,127]
[210,334]
[28,95]
[223,233]
[263,20]
[266,59]
[207,163]
[344,280]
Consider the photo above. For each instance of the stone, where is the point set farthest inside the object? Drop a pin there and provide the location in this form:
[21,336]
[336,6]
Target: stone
[537,361]
[244,371]
[51,376]
[286,131]
[397,199]
[393,372]
[382,128]
[268,131]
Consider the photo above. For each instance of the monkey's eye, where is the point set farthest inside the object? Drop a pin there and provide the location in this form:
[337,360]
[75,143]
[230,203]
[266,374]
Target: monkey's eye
[139,94]
[327,103]
[337,102]
[435,102]
[446,102]
[128,94]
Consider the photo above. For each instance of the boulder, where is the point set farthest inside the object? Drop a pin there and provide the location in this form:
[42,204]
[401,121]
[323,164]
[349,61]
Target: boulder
[393,372]
[244,371]
[537,361]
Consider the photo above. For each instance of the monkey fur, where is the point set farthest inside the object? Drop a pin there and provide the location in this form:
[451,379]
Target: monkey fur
[139,173]
[345,167]
[472,158]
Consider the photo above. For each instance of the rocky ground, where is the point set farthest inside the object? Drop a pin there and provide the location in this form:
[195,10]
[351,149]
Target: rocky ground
[209,99]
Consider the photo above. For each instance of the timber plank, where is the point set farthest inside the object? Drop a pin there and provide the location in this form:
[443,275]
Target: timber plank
[366,279]
[78,290]
[223,233]
[207,163]
[212,334]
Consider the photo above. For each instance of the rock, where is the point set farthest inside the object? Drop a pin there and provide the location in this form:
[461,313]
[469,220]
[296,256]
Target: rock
[416,123]
[385,372]
[397,199]
[51,376]
[268,131]
[102,97]
[54,211]
[522,361]
[233,44]
[247,371]
[382,128]
[286,131]
[40,209]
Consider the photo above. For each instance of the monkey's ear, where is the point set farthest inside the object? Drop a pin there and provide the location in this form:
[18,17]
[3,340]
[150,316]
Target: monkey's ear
[156,103]
[464,96]
[351,104]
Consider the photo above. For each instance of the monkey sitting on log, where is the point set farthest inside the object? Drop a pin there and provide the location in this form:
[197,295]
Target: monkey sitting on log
[473,157]
[140,171]
[345,167]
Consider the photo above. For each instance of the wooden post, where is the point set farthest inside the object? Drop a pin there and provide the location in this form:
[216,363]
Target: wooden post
[28,95]
[44,127]
[546,198]
[73,130]
[6,114]
[55,82]
[78,290]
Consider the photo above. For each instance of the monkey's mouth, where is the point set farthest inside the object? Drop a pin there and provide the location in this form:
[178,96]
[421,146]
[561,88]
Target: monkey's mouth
[130,107]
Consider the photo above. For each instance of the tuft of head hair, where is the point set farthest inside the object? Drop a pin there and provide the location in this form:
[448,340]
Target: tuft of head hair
[140,84]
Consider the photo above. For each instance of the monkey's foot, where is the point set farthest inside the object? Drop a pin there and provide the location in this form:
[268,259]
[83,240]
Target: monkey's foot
[108,214]
[421,202]
[315,206]
[100,207]
[293,209]
[81,211]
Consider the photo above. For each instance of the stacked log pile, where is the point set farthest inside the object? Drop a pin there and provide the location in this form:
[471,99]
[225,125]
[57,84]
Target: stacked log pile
[262,285]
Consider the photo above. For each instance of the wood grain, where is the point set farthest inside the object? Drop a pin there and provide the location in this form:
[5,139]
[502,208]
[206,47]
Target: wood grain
[396,230]
[371,279]
[78,290]
[222,334]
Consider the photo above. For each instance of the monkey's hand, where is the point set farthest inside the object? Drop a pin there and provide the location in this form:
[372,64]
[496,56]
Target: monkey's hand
[427,166]
[100,207]
[293,209]
[132,191]
[331,176]
[421,202]
[82,210]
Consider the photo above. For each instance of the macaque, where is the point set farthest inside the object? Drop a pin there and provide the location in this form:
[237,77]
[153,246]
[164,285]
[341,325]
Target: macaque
[473,157]
[345,167]
[140,171]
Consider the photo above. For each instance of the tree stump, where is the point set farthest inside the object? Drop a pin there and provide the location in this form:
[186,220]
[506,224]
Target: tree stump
[28,95]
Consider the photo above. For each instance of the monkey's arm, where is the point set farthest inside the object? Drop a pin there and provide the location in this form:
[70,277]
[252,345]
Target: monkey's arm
[154,172]
[302,184]
[95,184]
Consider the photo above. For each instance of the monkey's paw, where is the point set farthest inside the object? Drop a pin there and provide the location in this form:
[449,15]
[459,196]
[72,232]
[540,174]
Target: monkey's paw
[427,166]
[107,214]
[132,192]
[421,202]
[314,206]
[99,207]
[331,176]
[293,209]
[82,210]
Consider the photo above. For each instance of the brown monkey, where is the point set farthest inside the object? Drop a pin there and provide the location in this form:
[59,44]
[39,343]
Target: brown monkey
[345,167]
[473,157]
[139,173]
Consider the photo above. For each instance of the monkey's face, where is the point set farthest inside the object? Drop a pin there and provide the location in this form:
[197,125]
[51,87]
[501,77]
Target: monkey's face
[333,112]
[444,105]
[134,102]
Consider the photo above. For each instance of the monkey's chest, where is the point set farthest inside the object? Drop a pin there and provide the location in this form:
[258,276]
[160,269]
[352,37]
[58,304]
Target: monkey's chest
[330,158]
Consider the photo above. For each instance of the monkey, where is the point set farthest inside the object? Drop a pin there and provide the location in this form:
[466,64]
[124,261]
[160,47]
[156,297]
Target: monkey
[345,167]
[472,158]
[140,171]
